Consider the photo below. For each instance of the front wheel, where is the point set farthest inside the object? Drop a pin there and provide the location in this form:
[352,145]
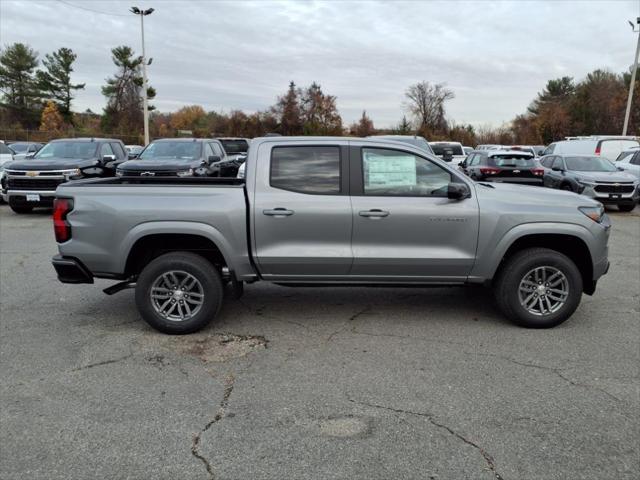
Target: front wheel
[538,288]
[179,293]
[626,207]
[21,208]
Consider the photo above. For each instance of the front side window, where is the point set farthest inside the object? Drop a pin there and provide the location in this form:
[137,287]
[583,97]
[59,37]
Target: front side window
[75,150]
[557,163]
[308,169]
[636,159]
[549,149]
[395,173]
[106,150]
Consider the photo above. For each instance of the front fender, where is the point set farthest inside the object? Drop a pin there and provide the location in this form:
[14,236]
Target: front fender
[495,249]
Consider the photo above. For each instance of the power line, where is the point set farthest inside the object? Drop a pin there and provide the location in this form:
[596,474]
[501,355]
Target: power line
[91,10]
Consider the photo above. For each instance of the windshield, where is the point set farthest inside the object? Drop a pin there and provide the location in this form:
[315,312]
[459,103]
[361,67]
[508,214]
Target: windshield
[172,151]
[235,146]
[512,161]
[624,155]
[439,148]
[19,147]
[71,149]
[133,149]
[589,164]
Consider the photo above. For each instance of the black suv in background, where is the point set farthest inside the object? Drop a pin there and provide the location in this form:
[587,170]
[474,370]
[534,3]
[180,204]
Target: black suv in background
[181,157]
[32,182]
[503,166]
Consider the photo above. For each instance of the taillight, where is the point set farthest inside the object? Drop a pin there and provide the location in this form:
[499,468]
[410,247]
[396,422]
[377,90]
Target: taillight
[598,148]
[61,227]
[489,171]
[539,172]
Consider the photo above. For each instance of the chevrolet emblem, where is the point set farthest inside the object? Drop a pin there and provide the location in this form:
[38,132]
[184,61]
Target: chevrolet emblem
[31,174]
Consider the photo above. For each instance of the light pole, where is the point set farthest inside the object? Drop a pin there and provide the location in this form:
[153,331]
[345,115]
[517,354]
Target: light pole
[633,79]
[144,13]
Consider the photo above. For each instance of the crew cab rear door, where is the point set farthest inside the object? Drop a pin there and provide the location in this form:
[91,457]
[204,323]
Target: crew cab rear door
[404,226]
[302,210]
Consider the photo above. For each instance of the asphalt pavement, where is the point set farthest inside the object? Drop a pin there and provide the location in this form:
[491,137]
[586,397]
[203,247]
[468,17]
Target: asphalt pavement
[314,383]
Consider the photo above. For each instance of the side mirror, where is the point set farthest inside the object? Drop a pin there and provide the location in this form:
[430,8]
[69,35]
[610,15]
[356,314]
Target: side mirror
[132,156]
[620,169]
[108,158]
[29,155]
[463,164]
[447,155]
[458,191]
[557,169]
[213,159]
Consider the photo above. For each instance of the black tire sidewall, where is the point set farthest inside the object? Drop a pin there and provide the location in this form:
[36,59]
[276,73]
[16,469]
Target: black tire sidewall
[526,263]
[191,263]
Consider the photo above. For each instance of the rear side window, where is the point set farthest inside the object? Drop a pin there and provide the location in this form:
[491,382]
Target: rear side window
[557,163]
[312,169]
[546,162]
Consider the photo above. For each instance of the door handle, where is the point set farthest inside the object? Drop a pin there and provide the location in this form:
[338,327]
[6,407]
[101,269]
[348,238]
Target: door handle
[278,212]
[374,213]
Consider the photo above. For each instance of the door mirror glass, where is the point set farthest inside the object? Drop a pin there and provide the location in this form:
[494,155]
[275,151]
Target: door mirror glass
[458,191]
[108,158]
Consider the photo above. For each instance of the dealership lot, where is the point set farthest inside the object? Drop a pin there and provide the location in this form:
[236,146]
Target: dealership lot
[314,382]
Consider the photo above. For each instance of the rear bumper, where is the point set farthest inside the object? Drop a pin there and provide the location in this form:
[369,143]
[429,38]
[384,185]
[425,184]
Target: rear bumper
[537,181]
[71,270]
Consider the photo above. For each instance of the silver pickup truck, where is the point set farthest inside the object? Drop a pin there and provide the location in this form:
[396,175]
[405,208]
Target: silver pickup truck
[337,211]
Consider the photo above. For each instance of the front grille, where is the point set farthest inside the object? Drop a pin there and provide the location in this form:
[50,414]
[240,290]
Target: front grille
[33,183]
[624,188]
[156,173]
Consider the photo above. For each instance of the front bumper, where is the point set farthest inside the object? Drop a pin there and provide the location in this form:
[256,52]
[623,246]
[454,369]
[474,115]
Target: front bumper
[71,270]
[19,197]
[612,198]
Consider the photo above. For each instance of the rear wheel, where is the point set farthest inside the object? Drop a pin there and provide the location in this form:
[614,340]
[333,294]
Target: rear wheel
[538,288]
[21,208]
[626,207]
[179,293]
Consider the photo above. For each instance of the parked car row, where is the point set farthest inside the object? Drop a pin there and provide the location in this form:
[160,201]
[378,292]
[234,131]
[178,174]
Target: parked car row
[31,180]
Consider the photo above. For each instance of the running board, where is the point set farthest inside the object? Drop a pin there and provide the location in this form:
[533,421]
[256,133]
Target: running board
[130,283]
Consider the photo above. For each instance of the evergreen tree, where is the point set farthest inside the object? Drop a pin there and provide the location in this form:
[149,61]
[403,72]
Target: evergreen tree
[124,101]
[20,95]
[319,112]
[287,110]
[55,81]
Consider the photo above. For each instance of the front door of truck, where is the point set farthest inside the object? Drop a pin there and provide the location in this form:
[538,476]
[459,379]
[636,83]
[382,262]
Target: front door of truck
[404,226]
[302,211]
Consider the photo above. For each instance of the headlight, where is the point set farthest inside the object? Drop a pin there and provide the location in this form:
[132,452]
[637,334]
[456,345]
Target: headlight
[185,173]
[594,213]
[74,172]
[119,173]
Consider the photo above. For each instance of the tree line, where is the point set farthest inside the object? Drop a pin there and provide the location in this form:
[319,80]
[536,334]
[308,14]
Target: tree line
[40,95]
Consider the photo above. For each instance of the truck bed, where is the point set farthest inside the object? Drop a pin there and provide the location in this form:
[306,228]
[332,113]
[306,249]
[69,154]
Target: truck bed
[109,217]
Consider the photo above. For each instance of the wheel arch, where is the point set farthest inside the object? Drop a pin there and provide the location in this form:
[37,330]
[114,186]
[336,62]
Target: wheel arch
[569,245]
[149,240]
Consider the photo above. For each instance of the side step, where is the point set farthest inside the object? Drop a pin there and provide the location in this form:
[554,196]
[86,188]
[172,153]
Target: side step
[129,283]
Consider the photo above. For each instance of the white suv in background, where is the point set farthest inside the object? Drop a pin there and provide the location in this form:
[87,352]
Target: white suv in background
[455,150]
[607,146]
[629,161]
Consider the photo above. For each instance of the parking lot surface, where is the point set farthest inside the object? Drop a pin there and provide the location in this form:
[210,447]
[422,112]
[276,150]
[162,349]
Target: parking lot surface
[301,383]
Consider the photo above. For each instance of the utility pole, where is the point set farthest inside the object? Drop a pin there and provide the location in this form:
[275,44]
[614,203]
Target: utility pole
[144,13]
[633,79]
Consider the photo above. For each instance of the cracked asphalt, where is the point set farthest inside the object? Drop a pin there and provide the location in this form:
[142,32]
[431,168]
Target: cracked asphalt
[326,383]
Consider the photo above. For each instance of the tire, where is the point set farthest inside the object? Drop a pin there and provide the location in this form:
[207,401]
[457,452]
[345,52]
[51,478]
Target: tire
[517,273]
[626,207]
[187,316]
[21,208]
[567,187]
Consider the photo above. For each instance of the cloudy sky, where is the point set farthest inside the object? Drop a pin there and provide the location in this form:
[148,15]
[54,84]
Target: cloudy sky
[226,55]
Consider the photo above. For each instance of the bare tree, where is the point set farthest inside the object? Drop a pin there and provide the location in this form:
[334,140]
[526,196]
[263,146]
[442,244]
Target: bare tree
[426,102]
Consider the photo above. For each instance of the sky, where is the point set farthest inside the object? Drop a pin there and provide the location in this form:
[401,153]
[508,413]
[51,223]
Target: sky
[225,55]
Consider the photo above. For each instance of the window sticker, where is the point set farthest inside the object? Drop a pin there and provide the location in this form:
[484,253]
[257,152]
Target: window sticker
[390,171]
